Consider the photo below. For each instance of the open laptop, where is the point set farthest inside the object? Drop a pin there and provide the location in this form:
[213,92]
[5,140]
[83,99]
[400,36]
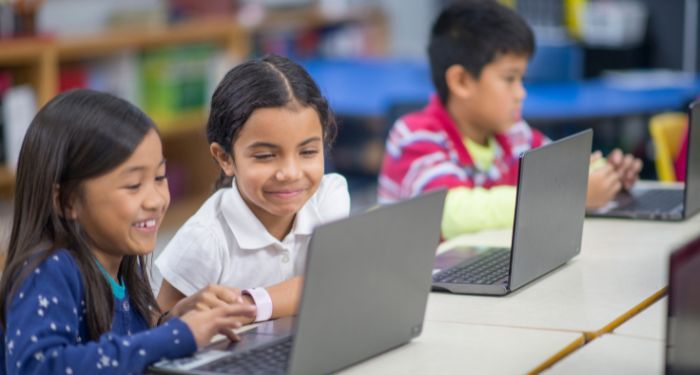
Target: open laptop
[683,319]
[366,286]
[664,203]
[549,213]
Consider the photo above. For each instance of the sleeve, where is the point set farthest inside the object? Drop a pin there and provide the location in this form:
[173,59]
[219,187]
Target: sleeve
[192,259]
[43,331]
[417,162]
[334,200]
[472,210]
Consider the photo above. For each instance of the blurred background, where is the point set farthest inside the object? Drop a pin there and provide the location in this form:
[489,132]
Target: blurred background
[607,64]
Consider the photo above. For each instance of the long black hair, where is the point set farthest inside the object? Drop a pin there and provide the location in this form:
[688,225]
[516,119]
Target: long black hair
[271,81]
[76,136]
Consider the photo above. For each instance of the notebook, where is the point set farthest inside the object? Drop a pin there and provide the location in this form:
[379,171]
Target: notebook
[366,286]
[664,203]
[547,228]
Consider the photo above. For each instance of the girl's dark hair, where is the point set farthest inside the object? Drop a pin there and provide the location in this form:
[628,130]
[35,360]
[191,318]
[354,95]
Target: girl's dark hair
[271,81]
[473,33]
[76,136]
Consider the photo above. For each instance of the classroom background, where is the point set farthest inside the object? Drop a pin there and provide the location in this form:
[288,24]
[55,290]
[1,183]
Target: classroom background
[617,66]
[610,65]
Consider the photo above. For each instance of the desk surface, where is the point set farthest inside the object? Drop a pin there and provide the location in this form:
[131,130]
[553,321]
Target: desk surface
[622,269]
[368,87]
[470,349]
[648,324]
[613,354]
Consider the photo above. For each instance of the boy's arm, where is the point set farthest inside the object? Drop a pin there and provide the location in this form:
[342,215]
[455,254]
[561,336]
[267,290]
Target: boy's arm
[471,210]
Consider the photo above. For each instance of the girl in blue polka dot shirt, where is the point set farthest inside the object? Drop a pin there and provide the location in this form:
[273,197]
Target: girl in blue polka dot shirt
[90,195]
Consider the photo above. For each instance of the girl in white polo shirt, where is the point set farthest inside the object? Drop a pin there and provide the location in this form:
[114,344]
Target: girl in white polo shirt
[268,129]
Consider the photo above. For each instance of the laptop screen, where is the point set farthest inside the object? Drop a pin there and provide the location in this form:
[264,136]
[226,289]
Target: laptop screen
[683,324]
[692,174]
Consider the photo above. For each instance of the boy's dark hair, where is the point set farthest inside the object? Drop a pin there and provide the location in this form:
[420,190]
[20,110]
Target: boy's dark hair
[472,34]
[78,135]
[271,81]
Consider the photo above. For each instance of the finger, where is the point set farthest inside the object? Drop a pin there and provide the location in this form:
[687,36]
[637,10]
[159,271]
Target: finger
[615,156]
[229,295]
[596,155]
[213,301]
[230,334]
[202,306]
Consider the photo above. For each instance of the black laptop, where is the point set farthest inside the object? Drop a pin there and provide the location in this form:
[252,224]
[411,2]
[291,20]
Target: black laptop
[366,286]
[547,230]
[683,316]
[664,203]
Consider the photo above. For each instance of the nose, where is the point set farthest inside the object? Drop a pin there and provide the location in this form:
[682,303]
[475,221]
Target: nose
[520,92]
[290,169]
[158,197]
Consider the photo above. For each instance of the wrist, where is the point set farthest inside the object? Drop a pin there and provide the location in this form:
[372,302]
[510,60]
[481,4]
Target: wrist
[262,301]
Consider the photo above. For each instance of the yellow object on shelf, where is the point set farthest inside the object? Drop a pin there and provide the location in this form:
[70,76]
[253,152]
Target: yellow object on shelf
[573,13]
[667,131]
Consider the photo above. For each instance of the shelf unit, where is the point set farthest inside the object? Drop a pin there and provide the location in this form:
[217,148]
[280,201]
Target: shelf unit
[36,61]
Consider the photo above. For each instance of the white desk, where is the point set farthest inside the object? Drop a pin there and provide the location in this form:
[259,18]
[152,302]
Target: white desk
[622,268]
[445,348]
[649,324]
[613,354]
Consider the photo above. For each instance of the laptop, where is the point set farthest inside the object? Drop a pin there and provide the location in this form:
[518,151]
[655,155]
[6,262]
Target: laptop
[683,319]
[670,203]
[366,287]
[547,228]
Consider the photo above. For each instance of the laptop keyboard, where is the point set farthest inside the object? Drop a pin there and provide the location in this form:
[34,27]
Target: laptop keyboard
[267,359]
[655,200]
[488,268]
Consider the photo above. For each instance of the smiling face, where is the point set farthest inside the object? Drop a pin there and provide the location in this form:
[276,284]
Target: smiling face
[121,210]
[278,163]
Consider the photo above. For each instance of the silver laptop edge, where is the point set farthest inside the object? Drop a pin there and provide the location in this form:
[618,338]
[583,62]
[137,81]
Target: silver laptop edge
[549,214]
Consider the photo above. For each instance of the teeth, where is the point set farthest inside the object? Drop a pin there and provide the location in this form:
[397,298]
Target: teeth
[146,224]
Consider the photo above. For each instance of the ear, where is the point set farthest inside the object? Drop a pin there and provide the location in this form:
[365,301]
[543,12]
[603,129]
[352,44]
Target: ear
[460,82]
[69,212]
[223,158]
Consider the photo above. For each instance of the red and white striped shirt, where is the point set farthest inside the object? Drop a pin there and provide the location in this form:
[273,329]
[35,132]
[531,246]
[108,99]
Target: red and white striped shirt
[425,151]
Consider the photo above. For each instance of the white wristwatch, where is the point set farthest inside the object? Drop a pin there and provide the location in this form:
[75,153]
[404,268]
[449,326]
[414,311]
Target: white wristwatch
[263,303]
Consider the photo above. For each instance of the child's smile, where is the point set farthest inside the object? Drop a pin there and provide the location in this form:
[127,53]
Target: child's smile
[278,163]
[122,209]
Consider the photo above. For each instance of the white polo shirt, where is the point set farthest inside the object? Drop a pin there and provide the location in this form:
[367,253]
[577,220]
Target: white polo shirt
[224,243]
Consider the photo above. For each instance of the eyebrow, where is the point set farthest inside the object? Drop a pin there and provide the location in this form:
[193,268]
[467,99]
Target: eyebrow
[139,168]
[274,146]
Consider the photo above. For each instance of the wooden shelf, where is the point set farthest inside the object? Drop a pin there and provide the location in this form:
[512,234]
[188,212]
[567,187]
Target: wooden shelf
[221,30]
[183,126]
[23,50]
[7,181]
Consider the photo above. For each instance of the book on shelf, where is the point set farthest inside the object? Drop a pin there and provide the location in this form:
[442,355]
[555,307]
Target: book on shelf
[174,81]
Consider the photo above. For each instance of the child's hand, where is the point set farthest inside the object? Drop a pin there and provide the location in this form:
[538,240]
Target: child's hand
[603,183]
[626,166]
[206,323]
[208,298]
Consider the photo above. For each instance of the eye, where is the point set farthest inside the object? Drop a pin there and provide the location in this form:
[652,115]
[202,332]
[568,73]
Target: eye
[133,187]
[161,178]
[265,156]
[309,152]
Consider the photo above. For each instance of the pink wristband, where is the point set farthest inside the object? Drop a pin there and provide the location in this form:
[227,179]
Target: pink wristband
[263,303]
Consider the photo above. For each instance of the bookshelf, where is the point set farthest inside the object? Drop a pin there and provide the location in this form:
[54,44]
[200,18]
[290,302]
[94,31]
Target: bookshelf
[37,61]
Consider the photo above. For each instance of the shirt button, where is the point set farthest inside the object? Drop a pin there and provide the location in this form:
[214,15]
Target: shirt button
[285,258]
